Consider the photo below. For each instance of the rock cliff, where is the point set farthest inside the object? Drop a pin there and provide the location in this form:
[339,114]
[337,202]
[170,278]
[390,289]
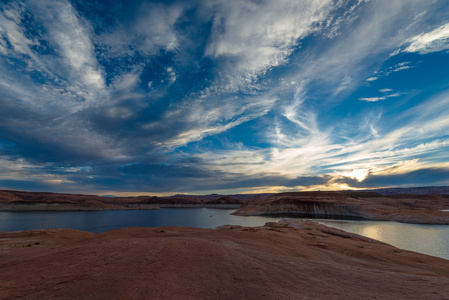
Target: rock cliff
[352,205]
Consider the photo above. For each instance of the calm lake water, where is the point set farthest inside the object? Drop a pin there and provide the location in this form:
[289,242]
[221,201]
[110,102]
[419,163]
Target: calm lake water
[428,239]
[99,221]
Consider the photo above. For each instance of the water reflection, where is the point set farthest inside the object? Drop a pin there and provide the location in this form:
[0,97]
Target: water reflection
[428,239]
[99,221]
[372,232]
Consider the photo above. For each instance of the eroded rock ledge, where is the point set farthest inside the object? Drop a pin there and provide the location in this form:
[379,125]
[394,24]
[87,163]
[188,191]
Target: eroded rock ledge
[352,205]
[284,260]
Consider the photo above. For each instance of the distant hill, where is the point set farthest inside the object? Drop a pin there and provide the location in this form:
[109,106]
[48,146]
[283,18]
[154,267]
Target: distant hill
[213,197]
[21,200]
[10,196]
[424,190]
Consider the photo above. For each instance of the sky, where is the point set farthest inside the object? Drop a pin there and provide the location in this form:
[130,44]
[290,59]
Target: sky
[223,96]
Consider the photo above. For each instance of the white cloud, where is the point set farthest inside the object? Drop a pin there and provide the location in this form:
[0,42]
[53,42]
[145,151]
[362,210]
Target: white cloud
[398,67]
[387,150]
[3,46]
[255,36]
[72,36]
[247,39]
[298,145]
[373,33]
[295,112]
[171,75]
[433,41]
[157,22]
[153,28]
[126,82]
[203,118]
[358,174]
[12,32]
[347,17]
[72,79]
[344,84]
[392,69]
[10,17]
[375,99]
[301,146]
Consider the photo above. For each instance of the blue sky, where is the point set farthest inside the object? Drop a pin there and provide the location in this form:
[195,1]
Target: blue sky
[226,96]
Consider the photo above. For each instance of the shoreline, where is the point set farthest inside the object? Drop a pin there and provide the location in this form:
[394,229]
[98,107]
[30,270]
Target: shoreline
[81,207]
[432,217]
[350,205]
[413,209]
[428,220]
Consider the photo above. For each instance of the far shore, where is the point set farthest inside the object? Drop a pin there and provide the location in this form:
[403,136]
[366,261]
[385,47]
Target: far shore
[362,205]
[81,207]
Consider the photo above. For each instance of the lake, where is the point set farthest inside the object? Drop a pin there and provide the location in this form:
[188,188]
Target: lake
[100,221]
[428,239]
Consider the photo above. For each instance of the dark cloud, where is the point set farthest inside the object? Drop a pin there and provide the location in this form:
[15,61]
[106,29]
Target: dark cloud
[425,176]
[27,185]
[183,178]
[39,137]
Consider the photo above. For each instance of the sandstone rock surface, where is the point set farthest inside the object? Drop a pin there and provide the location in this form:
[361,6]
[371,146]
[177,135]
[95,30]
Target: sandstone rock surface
[285,260]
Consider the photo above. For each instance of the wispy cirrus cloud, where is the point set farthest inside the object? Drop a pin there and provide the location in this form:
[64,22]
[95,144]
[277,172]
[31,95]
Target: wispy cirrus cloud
[252,37]
[389,70]
[434,41]
[302,145]
[375,99]
[193,96]
[376,158]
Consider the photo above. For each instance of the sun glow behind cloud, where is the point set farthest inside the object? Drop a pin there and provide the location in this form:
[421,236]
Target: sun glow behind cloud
[229,96]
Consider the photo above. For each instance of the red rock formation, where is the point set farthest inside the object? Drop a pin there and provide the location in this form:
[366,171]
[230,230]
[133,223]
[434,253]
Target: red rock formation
[6,197]
[19,200]
[225,200]
[287,260]
[425,190]
[350,205]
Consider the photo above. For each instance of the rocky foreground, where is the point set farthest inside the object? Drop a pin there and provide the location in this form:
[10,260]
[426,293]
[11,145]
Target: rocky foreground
[284,260]
[419,209]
